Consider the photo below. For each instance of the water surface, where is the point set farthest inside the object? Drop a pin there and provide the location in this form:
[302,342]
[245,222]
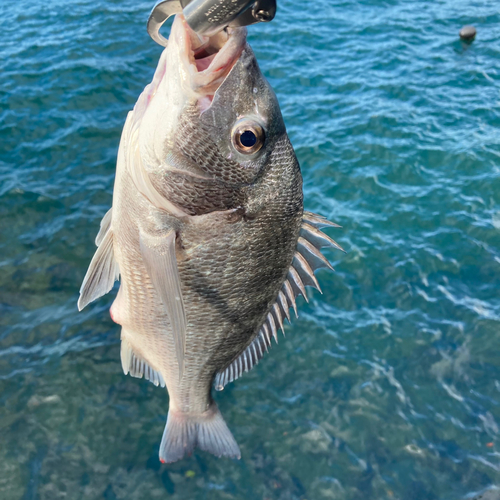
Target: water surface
[388,385]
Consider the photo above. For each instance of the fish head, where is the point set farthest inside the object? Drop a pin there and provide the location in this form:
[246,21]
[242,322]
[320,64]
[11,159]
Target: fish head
[244,120]
[209,111]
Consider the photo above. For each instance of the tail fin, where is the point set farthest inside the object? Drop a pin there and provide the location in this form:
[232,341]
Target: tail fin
[208,431]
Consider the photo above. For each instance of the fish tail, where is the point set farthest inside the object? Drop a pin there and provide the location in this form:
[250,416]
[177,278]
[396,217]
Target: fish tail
[207,431]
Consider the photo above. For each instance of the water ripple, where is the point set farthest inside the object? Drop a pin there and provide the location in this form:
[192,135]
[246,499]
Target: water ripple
[388,385]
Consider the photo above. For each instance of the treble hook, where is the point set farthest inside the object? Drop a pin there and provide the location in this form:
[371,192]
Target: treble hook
[208,17]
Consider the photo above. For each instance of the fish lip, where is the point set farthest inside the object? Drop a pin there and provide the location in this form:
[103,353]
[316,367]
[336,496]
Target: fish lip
[183,47]
[209,60]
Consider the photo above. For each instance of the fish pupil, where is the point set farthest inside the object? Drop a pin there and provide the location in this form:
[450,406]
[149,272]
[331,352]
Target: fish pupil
[248,139]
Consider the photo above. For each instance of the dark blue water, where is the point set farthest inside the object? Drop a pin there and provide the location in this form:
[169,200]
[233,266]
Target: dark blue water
[388,385]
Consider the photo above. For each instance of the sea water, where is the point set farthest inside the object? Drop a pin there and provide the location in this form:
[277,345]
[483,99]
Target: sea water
[388,384]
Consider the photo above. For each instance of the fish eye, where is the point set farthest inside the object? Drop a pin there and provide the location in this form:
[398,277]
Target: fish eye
[248,136]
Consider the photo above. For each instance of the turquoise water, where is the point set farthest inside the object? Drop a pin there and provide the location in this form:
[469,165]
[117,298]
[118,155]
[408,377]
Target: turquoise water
[388,385]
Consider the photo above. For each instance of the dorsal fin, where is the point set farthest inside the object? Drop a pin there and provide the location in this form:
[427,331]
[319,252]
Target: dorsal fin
[306,260]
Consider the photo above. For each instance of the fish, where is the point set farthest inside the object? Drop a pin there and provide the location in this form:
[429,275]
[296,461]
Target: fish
[207,232]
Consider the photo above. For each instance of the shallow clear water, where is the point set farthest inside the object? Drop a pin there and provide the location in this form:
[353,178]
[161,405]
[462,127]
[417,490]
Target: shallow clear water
[388,385]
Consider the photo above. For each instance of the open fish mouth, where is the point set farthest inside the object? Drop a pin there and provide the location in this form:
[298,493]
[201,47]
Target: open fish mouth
[209,59]
[191,67]
[204,55]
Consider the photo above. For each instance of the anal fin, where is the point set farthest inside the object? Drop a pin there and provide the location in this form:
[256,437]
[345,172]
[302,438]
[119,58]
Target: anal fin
[137,367]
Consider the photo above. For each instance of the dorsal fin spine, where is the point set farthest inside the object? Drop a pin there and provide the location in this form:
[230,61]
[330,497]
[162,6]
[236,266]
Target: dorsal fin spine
[263,340]
[258,348]
[284,305]
[277,314]
[267,333]
[295,279]
[304,269]
[306,260]
[318,220]
[287,288]
[312,255]
[272,324]
[256,357]
[317,237]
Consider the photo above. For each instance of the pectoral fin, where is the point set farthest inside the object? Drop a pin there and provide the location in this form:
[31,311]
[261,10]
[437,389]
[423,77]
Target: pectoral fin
[159,257]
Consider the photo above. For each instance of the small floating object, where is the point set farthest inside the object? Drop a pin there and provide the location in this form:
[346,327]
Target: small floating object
[468,33]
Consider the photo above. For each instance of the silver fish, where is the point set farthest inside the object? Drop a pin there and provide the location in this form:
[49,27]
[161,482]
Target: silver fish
[207,232]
